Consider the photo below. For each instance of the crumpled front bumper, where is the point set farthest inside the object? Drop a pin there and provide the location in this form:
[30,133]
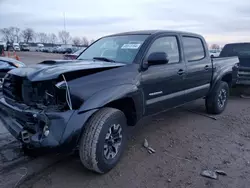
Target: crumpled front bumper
[27,125]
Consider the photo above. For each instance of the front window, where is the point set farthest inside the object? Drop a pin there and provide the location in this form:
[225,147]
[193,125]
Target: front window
[122,48]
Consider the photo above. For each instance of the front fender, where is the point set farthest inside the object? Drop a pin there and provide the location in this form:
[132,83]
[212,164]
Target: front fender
[105,96]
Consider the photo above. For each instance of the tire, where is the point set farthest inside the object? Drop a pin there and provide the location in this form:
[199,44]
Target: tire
[216,102]
[92,153]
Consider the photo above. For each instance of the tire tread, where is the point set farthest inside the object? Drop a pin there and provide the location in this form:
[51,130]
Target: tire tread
[89,140]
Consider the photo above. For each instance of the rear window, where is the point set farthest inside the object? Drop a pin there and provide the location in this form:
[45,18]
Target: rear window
[235,50]
[193,49]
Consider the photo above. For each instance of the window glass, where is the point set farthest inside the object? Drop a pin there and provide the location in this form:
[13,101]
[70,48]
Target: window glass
[122,48]
[168,45]
[193,48]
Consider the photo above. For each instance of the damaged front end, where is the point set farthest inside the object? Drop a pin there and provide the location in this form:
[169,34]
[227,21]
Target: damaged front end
[37,113]
[44,95]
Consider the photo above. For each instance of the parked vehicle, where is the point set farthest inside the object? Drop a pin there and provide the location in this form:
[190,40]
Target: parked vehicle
[25,47]
[54,49]
[45,49]
[214,52]
[74,55]
[4,45]
[116,81]
[12,46]
[242,50]
[58,49]
[7,64]
[16,46]
[66,50]
[50,49]
[39,48]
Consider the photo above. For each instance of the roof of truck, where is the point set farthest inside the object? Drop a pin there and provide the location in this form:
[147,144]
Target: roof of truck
[151,32]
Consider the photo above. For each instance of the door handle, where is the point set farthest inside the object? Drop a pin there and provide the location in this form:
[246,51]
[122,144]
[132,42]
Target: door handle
[206,67]
[181,72]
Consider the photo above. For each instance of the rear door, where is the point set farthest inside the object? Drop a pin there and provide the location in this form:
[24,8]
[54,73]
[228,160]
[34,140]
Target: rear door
[163,85]
[199,67]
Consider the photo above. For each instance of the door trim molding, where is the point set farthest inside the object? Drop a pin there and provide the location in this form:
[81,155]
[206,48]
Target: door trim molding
[176,94]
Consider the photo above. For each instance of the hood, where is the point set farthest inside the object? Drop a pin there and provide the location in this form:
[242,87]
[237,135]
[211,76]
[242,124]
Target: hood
[52,69]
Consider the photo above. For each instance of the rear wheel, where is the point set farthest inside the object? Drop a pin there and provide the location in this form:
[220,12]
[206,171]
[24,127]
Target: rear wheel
[103,140]
[217,100]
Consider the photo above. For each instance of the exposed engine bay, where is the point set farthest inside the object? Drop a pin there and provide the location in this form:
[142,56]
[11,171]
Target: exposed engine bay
[50,94]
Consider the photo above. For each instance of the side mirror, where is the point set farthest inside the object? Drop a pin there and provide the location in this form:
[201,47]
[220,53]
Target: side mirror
[157,58]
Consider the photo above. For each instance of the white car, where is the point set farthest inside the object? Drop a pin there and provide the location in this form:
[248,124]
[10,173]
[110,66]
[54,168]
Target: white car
[16,46]
[39,47]
[214,52]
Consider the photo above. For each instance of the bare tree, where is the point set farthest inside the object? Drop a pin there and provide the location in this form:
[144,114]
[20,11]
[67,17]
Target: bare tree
[5,34]
[12,34]
[64,37]
[28,34]
[43,38]
[92,40]
[76,41]
[8,34]
[215,46]
[84,41]
[52,38]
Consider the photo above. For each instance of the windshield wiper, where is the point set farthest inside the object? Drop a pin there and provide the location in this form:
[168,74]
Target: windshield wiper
[104,59]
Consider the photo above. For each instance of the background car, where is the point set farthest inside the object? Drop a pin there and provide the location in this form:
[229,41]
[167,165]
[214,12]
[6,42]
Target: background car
[7,64]
[39,47]
[16,46]
[214,52]
[50,49]
[25,47]
[74,55]
[45,49]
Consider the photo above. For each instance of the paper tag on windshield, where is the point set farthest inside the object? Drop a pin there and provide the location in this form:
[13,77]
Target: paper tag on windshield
[130,46]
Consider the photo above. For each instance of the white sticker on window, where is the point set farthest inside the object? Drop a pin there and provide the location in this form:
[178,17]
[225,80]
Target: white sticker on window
[130,46]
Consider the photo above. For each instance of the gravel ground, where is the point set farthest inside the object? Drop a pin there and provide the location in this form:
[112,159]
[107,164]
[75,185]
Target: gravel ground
[185,139]
[185,142]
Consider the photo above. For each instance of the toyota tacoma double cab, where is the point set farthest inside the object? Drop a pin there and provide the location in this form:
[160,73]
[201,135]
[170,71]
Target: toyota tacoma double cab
[88,103]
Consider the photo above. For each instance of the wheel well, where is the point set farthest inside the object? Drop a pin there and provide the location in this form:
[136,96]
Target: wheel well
[227,78]
[127,106]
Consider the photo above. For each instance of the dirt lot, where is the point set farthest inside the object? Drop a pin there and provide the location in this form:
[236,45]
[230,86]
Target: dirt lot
[186,142]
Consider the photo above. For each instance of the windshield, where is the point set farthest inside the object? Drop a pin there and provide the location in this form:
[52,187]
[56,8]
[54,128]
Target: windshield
[116,48]
[236,50]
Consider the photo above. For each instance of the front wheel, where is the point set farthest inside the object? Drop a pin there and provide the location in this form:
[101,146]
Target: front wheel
[217,100]
[103,140]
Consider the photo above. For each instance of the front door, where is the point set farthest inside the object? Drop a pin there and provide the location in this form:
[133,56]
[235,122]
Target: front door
[163,84]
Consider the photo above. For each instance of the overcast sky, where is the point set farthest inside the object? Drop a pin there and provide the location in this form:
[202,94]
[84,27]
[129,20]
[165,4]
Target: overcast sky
[219,21]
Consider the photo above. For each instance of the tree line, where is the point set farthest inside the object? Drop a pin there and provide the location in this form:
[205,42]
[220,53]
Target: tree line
[15,34]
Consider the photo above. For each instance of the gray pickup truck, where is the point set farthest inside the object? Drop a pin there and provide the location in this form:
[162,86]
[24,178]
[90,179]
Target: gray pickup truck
[88,103]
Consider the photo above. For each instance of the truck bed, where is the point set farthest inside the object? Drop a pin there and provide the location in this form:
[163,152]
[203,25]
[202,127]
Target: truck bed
[226,60]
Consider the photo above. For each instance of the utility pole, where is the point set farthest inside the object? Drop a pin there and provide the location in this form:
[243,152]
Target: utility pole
[64,21]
